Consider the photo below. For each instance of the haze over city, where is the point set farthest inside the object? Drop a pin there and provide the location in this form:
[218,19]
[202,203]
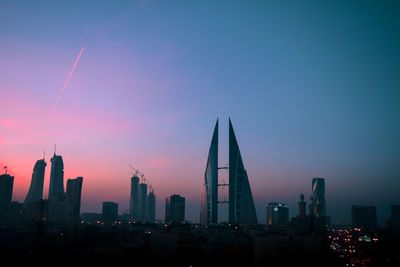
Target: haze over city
[312,91]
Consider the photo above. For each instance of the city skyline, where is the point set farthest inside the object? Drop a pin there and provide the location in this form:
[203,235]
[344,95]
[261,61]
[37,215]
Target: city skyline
[313,92]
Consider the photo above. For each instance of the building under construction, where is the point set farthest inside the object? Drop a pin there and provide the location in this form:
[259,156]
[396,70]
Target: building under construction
[142,206]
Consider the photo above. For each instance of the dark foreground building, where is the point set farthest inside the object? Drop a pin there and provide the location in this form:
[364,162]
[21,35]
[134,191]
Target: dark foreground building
[6,190]
[174,209]
[364,216]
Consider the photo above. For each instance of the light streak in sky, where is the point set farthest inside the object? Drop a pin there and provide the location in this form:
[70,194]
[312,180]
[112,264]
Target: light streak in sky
[65,85]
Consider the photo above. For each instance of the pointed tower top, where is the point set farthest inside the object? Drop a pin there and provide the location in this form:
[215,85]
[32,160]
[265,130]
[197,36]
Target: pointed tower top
[214,139]
[55,146]
[232,137]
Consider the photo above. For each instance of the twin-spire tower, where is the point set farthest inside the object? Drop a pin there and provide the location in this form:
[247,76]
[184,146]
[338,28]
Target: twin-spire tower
[241,203]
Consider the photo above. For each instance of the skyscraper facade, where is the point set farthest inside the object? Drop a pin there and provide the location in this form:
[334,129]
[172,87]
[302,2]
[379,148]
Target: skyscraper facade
[6,190]
[134,200]
[209,200]
[56,189]
[110,212]
[142,202]
[73,199]
[151,208]
[175,209]
[35,192]
[318,191]
[241,203]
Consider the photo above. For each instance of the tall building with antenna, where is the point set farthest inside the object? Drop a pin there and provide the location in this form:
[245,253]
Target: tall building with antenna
[35,192]
[56,188]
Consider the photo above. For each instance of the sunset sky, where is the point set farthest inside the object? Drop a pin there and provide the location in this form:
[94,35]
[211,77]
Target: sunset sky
[313,90]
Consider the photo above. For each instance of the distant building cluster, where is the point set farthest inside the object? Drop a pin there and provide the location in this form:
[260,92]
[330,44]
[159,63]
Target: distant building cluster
[142,206]
[61,207]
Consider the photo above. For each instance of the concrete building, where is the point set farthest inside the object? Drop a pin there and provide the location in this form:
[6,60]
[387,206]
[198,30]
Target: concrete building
[6,190]
[73,199]
[277,217]
[142,202]
[110,212]
[134,199]
[151,208]
[175,209]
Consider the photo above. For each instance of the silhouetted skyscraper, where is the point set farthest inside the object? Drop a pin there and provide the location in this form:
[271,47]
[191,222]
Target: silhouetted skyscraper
[35,192]
[151,207]
[364,216]
[134,201]
[56,188]
[175,209]
[209,198]
[57,211]
[73,199]
[110,212]
[241,203]
[6,190]
[318,190]
[142,202]
[302,206]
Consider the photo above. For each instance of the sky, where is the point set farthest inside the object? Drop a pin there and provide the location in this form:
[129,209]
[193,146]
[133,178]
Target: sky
[312,89]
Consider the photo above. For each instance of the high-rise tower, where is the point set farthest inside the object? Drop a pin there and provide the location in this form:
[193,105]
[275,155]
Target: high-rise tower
[209,200]
[318,190]
[56,188]
[241,204]
[142,202]
[73,198]
[175,209]
[6,190]
[134,202]
[151,207]
[35,192]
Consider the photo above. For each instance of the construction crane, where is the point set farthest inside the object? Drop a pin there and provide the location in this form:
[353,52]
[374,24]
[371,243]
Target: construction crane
[151,189]
[143,178]
[135,171]
[138,173]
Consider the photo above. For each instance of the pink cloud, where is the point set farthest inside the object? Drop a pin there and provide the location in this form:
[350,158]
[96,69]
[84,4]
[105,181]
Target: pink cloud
[162,162]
